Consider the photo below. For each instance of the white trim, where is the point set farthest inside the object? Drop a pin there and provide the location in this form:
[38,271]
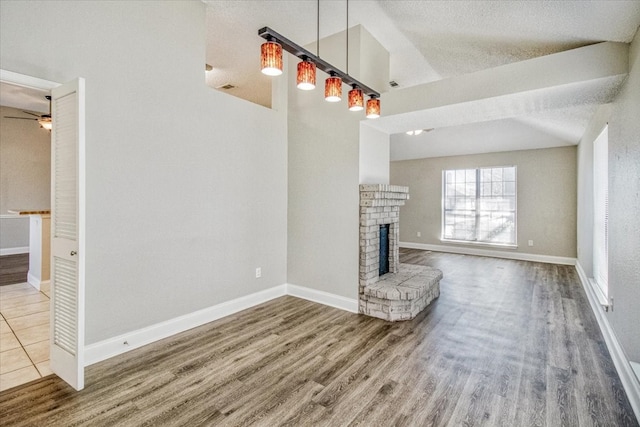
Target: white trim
[598,294]
[321,297]
[624,367]
[34,281]
[97,352]
[635,366]
[37,284]
[26,81]
[14,251]
[111,347]
[550,259]
[481,244]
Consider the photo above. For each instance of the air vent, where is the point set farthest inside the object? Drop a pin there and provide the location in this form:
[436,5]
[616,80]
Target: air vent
[226,86]
[393,83]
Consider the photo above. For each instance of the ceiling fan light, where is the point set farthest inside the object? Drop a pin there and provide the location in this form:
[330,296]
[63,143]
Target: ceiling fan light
[373,108]
[356,99]
[271,58]
[306,78]
[45,123]
[333,89]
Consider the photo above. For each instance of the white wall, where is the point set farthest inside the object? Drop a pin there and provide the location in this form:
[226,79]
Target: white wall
[324,160]
[546,193]
[14,234]
[186,186]
[374,155]
[323,194]
[624,204]
[25,175]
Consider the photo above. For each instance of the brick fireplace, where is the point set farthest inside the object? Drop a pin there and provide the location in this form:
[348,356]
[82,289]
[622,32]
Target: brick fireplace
[407,289]
[379,204]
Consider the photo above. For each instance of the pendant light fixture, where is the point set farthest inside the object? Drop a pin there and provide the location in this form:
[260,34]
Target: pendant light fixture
[333,89]
[306,79]
[306,76]
[271,58]
[271,62]
[373,108]
[356,99]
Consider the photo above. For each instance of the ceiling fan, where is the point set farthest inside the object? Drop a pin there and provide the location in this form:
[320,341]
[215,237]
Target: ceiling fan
[44,120]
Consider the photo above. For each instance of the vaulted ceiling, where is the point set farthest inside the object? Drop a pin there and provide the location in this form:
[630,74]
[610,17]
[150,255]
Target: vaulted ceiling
[430,41]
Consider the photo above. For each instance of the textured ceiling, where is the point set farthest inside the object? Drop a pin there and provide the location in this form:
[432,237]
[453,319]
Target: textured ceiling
[23,98]
[429,41]
[554,128]
[459,37]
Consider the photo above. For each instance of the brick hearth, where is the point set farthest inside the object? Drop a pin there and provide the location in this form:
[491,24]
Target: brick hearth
[407,289]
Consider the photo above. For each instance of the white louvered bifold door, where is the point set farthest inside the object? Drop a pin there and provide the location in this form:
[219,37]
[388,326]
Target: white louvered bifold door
[67,233]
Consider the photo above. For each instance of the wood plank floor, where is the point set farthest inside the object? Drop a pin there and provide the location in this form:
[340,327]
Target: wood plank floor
[13,269]
[508,343]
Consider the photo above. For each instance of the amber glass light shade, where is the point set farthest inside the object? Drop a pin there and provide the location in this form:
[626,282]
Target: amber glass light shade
[373,108]
[306,75]
[271,58]
[356,100]
[333,89]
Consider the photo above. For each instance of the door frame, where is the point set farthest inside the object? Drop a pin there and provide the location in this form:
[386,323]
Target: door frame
[24,80]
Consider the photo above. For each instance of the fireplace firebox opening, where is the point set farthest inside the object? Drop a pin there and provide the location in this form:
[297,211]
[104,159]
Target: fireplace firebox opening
[384,249]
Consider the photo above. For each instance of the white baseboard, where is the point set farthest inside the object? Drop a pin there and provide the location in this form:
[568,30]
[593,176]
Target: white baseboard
[624,367]
[321,297]
[550,259]
[111,347]
[33,280]
[38,284]
[14,251]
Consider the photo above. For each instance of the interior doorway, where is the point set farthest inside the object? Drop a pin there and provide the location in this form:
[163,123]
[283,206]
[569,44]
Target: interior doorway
[65,330]
[26,186]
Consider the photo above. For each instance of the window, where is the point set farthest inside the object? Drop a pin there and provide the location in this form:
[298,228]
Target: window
[601,214]
[479,205]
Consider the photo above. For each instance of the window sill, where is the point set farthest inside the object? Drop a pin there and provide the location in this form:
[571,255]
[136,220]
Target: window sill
[599,294]
[485,244]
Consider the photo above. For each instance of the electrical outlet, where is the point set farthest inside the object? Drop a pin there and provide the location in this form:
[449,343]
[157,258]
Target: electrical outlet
[530,242]
[258,273]
[419,234]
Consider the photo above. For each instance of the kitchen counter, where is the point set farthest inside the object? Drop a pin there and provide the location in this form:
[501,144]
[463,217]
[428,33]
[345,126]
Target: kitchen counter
[39,245]
[31,212]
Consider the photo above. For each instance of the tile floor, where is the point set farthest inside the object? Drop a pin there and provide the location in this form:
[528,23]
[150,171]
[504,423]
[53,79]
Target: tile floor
[24,334]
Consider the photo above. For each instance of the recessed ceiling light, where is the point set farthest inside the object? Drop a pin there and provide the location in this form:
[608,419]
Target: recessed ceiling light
[418,131]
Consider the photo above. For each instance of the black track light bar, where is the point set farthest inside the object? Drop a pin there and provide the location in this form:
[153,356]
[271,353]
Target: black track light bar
[302,53]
